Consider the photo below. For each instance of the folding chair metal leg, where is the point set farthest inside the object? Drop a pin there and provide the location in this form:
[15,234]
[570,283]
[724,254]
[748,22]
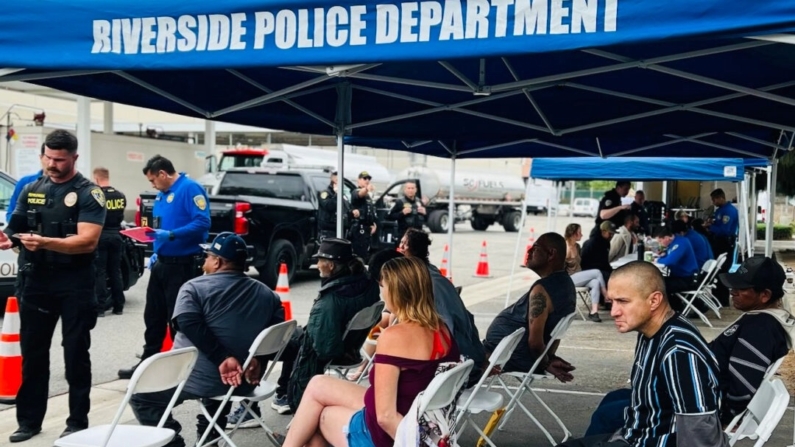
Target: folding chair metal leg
[214,424]
[480,432]
[690,307]
[566,432]
[260,420]
[516,401]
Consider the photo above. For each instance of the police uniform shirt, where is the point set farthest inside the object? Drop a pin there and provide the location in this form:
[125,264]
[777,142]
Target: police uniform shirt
[89,202]
[115,202]
[726,221]
[610,200]
[680,258]
[363,204]
[184,211]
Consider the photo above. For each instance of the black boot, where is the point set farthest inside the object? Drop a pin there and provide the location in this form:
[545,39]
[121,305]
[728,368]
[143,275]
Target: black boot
[128,373]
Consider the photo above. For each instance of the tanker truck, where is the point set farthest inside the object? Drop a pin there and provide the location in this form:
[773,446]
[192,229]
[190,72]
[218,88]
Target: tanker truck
[480,198]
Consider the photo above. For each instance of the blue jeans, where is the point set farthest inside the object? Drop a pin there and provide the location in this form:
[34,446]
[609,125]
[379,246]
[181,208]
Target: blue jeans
[609,415]
[358,434]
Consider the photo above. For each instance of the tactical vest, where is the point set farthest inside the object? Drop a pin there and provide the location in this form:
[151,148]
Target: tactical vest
[115,203]
[55,216]
[366,208]
[414,219]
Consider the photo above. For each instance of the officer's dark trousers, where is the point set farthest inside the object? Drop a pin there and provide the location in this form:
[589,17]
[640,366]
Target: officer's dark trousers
[50,293]
[678,284]
[149,408]
[720,245]
[359,235]
[108,265]
[161,294]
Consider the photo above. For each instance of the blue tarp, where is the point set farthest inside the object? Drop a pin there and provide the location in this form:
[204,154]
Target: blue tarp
[156,34]
[638,169]
[583,83]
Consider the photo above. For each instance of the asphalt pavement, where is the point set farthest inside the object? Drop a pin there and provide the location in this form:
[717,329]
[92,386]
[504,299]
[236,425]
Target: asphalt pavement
[602,356]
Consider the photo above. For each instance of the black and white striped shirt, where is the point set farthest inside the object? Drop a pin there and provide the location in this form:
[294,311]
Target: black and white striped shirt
[674,373]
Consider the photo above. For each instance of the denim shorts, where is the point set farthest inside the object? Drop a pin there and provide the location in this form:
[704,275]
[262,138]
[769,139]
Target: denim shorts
[357,432]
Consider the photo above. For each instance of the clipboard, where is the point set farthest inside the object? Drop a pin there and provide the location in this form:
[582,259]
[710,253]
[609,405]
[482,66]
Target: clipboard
[143,235]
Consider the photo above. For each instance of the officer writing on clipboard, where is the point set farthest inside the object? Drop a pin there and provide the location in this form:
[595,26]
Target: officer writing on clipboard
[58,219]
[181,222]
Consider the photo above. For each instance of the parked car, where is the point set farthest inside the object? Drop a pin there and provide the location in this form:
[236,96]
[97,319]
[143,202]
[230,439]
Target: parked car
[585,207]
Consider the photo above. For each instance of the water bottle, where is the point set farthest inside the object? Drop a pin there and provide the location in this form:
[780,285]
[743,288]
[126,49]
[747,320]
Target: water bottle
[640,249]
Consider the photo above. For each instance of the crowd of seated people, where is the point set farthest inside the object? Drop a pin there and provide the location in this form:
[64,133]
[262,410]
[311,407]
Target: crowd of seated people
[716,380]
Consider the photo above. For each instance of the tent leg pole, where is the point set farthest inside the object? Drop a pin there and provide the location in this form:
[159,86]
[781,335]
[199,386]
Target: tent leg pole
[771,200]
[451,216]
[752,223]
[519,235]
[340,180]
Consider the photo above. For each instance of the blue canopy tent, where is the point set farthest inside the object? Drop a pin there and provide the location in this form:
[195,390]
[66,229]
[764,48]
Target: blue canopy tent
[639,169]
[581,78]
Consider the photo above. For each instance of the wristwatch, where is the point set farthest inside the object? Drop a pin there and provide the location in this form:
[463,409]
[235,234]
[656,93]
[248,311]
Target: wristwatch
[171,236]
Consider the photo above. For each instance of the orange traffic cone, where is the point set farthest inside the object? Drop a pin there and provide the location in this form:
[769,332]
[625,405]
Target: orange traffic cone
[444,270]
[530,241]
[10,354]
[283,289]
[168,343]
[482,270]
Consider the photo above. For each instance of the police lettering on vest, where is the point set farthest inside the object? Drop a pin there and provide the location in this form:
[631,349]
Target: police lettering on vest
[115,203]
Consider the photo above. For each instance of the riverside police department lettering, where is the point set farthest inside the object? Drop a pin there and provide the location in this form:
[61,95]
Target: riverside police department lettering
[336,26]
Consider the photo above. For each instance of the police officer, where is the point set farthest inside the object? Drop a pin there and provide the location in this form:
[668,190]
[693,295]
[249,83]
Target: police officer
[610,207]
[408,211]
[58,220]
[722,236]
[363,212]
[327,210]
[181,221]
[108,260]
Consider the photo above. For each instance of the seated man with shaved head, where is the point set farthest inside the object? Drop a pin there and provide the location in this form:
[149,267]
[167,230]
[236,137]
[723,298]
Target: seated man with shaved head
[548,301]
[675,394]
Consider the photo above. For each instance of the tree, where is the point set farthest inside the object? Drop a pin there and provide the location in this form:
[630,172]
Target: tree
[785,175]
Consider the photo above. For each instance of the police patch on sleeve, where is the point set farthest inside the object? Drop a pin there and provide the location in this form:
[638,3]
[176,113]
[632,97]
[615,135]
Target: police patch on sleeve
[99,196]
[200,202]
[726,219]
[608,202]
[323,195]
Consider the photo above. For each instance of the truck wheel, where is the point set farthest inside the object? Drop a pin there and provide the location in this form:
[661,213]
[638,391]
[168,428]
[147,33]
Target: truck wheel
[512,221]
[480,224]
[438,221]
[281,250]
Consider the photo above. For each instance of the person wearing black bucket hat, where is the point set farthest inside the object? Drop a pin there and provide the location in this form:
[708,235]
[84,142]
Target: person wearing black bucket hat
[345,289]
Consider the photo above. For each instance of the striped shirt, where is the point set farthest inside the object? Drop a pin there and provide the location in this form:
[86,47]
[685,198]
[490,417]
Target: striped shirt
[674,373]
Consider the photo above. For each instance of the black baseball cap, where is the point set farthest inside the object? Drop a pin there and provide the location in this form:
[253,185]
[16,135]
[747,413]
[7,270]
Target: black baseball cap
[756,272]
[229,246]
[335,249]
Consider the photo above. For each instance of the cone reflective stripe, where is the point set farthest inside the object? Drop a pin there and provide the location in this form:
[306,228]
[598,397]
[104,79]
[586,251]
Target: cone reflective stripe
[10,353]
[283,290]
[482,270]
[444,269]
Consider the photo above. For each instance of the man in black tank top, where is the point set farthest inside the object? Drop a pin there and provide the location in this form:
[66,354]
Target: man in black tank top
[549,300]
[108,261]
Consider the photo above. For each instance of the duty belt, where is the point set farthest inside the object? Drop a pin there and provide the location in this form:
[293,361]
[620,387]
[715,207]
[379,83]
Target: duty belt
[187,259]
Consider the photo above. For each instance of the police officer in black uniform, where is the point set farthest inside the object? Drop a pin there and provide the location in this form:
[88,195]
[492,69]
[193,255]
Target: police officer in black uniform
[327,210]
[58,219]
[363,212]
[108,261]
[409,211]
[610,207]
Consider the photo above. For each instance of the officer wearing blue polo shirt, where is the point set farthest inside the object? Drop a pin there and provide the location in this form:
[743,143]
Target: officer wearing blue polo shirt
[700,244]
[681,262]
[724,225]
[181,221]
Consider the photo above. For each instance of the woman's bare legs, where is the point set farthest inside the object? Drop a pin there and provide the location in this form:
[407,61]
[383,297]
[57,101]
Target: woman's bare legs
[322,392]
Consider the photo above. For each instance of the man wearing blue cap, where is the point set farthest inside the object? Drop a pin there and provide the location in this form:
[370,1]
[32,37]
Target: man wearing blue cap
[220,313]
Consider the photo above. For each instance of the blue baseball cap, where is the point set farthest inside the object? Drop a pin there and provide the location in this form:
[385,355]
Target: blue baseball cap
[229,246]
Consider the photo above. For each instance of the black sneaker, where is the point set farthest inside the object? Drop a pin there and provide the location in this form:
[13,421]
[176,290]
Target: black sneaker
[128,373]
[69,430]
[24,433]
[594,317]
[118,311]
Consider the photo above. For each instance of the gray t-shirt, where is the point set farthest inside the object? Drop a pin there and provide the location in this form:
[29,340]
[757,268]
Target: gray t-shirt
[236,309]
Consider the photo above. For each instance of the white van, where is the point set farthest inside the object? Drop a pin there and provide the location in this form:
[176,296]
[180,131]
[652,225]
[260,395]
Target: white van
[8,258]
[585,207]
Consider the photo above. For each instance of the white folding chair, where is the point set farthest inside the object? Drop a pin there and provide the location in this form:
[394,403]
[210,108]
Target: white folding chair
[526,380]
[763,414]
[478,399]
[365,319]
[157,373]
[440,393]
[584,294]
[272,340]
[699,293]
[720,260]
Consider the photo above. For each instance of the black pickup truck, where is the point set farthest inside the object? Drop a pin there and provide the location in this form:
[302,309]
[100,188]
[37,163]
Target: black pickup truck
[275,211]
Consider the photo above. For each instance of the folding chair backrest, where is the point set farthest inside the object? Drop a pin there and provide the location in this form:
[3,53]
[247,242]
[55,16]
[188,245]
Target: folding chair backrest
[763,413]
[365,318]
[444,387]
[707,267]
[502,353]
[772,369]
[720,260]
[163,371]
[271,340]
[557,333]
